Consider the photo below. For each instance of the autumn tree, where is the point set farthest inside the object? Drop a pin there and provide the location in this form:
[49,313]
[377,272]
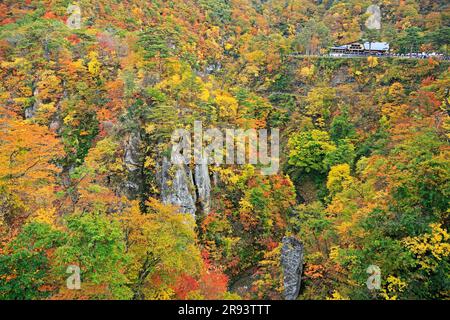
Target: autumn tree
[161,244]
[28,155]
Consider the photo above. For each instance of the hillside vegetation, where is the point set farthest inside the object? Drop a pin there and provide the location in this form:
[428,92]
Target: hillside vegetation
[86,118]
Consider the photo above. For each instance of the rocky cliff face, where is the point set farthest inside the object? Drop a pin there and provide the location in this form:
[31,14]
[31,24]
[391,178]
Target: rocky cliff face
[341,76]
[132,160]
[203,185]
[177,186]
[180,185]
[292,265]
[30,112]
[189,190]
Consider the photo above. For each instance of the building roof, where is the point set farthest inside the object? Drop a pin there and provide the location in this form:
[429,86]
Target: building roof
[381,46]
[340,47]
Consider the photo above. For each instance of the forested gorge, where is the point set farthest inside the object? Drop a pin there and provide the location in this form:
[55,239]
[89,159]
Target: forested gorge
[87,114]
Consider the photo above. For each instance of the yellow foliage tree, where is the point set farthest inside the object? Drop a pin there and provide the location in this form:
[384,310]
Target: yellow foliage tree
[338,178]
[27,173]
[430,248]
[94,65]
[162,245]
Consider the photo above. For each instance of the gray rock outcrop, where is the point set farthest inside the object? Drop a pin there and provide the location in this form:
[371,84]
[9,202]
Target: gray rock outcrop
[178,189]
[132,160]
[341,76]
[30,112]
[203,185]
[292,265]
[189,189]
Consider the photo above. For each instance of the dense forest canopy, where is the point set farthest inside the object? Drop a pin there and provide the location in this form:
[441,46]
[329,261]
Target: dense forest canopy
[86,117]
